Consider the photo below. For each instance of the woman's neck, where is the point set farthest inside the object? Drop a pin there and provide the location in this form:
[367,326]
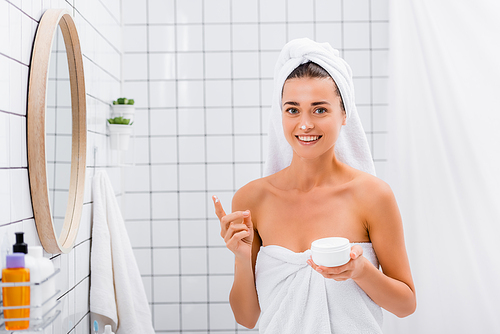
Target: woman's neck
[305,174]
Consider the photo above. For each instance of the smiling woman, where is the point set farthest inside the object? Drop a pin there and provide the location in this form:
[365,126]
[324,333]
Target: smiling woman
[317,194]
[312,112]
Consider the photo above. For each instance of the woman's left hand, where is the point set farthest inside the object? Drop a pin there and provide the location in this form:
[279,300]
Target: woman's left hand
[351,269]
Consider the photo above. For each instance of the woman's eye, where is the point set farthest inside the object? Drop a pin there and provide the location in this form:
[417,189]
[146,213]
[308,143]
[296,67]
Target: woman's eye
[320,111]
[292,111]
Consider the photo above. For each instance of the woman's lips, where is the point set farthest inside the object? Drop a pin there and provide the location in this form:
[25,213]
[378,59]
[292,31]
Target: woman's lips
[308,139]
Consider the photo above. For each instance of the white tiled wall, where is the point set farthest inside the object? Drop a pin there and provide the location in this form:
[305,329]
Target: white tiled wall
[201,74]
[98,24]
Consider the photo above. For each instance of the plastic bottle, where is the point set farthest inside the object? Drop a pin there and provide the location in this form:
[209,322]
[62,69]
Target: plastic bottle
[107,330]
[48,288]
[16,295]
[35,276]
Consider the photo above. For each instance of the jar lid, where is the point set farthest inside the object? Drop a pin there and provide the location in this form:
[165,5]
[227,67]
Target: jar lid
[330,244]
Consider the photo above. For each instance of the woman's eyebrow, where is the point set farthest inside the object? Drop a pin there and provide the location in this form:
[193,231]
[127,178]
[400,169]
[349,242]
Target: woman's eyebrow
[319,103]
[293,103]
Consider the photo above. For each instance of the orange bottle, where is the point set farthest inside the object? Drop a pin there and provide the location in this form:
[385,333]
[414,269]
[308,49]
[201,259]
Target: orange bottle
[16,295]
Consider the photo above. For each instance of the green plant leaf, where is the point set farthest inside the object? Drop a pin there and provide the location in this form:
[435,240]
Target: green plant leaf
[124,100]
[119,120]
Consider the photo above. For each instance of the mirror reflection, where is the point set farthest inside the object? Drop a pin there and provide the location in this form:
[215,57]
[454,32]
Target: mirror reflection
[58,132]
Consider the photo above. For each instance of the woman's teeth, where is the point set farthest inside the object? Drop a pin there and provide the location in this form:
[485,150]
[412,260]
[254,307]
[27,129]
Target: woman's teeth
[308,138]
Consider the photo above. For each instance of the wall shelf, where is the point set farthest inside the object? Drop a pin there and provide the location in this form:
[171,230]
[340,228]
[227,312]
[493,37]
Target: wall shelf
[41,322]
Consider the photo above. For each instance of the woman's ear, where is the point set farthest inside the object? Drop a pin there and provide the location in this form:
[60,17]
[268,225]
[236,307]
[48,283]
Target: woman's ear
[344,121]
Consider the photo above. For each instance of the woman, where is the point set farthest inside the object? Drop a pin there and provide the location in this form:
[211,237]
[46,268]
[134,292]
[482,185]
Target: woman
[275,218]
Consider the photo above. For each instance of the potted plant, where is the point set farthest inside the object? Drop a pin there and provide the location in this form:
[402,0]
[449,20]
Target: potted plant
[119,129]
[124,107]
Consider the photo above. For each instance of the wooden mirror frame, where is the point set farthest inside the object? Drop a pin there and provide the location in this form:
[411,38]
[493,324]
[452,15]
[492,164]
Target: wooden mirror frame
[37,167]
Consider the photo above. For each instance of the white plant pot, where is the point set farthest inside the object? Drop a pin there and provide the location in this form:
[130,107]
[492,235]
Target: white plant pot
[120,136]
[124,110]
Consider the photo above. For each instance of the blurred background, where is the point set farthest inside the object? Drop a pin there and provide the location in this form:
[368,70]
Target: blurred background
[200,72]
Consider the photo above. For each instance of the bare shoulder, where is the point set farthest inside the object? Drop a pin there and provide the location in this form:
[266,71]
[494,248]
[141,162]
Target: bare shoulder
[250,195]
[372,191]
[378,207]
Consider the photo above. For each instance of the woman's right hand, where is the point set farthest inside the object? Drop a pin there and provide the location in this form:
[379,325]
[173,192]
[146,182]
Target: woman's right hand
[236,230]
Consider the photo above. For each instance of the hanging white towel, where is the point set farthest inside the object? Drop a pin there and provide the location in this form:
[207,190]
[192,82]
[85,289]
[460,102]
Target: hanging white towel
[295,299]
[116,288]
[352,146]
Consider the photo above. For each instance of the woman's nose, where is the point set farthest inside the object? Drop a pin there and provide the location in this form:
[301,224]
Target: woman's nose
[305,123]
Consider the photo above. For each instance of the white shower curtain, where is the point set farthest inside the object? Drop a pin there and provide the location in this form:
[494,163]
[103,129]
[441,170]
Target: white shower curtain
[444,160]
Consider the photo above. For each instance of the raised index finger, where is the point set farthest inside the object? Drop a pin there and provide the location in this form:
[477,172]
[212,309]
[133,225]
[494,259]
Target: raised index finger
[219,211]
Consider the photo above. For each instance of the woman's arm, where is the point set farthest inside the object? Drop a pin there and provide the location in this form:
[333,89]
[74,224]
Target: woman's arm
[392,288]
[242,239]
[243,296]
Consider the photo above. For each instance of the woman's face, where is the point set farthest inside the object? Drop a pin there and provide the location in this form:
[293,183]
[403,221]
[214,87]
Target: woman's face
[312,115]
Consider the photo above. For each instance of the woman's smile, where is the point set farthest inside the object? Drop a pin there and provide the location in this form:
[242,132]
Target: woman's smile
[308,139]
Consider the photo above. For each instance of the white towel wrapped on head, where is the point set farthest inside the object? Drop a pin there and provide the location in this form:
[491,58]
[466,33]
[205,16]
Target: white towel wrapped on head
[351,147]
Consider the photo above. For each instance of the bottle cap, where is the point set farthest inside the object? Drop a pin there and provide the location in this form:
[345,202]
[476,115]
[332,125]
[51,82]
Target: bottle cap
[20,246]
[15,260]
[35,251]
[107,329]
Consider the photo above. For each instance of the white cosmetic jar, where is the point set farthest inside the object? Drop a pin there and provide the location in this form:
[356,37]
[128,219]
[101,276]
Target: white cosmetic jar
[331,252]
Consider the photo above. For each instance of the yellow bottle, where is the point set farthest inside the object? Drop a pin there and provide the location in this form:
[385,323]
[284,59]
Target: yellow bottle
[16,295]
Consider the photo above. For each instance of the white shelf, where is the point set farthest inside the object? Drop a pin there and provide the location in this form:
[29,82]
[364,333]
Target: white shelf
[43,322]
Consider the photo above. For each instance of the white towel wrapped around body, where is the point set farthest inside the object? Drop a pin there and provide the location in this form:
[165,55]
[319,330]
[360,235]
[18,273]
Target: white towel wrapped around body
[116,288]
[295,299]
[352,146]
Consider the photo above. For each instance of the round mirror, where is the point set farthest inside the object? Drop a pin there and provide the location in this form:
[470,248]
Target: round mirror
[57,131]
